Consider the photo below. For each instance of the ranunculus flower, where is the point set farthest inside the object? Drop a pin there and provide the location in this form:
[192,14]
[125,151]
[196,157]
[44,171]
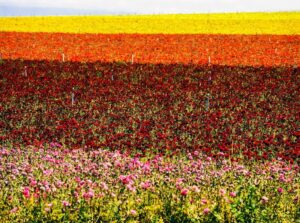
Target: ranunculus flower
[264,200]
[14,210]
[88,194]
[66,203]
[203,201]
[33,183]
[26,192]
[145,185]
[232,194]
[195,189]
[206,211]
[133,212]
[184,191]
[222,192]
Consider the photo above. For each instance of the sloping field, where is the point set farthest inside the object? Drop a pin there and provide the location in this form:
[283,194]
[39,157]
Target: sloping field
[186,118]
[230,23]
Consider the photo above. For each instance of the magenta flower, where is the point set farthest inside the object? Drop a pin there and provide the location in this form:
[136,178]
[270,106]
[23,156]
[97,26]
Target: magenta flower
[125,179]
[184,192]
[33,183]
[280,190]
[26,192]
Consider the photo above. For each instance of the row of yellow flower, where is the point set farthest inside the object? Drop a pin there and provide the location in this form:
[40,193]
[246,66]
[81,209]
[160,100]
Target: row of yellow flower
[228,23]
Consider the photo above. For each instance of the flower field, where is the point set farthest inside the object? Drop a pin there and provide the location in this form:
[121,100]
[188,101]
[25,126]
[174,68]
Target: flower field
[190,119]
[54,184]
[253,111]
[231,50]
[283,23]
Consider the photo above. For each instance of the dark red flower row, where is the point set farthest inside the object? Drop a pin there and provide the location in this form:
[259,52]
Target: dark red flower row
[221,110]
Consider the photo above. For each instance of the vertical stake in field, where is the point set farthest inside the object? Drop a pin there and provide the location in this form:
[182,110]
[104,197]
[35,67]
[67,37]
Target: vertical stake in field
[207,104]
[63,57]
[25,71]
[73,97]
[132,58]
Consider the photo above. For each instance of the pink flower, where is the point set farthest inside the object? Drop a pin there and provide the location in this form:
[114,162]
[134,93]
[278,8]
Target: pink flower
[125,179]
[131,188]
[33,183]
[232,194]
[66,203]
[264,200]
[133,212]
[88,194]
[104,186]
[203,201]
[47,209]
[222,192]
[184,191]
[145,185]
[206,211]
[76,195]
[26,192]
[14,210]
[195,189]
[280,190]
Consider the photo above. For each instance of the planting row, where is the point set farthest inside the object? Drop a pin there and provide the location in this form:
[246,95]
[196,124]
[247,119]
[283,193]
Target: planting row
[221,110]
[54,184]
[231,50]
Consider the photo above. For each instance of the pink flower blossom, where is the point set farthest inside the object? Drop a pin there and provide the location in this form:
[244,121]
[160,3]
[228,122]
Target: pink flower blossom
[204,201]
[89,194]
[26,192]
[33,183]
[145,185]
[125,179]
[232,194]
[131,188]
[222,192]
[280,190]
[195,189]
[47,209]
[133,212]
[184,191]
[14,210]
[104,186]
[206,211]
[264,200]
[66,203]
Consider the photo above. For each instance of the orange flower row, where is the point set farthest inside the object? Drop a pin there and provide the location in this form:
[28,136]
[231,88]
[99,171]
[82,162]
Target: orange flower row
[247,50]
